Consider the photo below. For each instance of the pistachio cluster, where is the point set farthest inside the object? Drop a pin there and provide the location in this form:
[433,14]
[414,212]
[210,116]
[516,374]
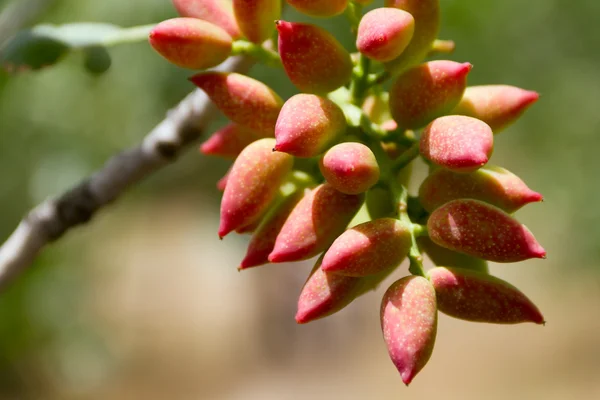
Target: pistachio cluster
[305,166]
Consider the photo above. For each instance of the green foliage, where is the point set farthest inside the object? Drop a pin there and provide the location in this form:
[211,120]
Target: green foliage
[45,45]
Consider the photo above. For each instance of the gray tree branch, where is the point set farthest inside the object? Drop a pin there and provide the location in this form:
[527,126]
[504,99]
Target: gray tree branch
[50,220]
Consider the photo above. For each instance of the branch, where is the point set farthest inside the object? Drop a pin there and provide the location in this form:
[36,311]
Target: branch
[50,220]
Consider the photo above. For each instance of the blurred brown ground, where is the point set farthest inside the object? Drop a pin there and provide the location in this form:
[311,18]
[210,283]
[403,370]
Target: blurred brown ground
[178,321]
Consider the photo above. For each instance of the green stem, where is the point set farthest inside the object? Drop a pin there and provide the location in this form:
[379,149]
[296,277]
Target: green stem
[128,35]
[406,158]
[420,230]
[414,255]
[441,47]
[378,79]
[353,14]
[359,86]
[372,129]
[260,53]
[383,160]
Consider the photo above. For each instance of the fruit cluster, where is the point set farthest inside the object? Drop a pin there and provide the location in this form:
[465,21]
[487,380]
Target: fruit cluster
[304,167]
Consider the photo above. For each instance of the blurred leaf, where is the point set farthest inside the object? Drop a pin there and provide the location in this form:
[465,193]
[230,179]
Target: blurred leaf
[81,34]
[28,50]
[97,60]
[45,45]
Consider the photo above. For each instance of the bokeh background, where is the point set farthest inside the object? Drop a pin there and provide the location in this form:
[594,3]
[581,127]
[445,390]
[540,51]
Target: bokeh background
[146,302]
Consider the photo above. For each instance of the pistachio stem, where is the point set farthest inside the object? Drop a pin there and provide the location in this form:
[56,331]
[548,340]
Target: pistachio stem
[353,13]
[414,255]
[256,51]
[406,158]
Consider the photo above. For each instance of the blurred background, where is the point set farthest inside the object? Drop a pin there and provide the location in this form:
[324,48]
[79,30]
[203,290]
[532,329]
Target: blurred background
[146,302]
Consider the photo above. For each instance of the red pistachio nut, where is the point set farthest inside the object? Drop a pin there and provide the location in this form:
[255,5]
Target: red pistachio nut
[427,91]
[307,124]
[496,105]
[324,294]
[350,167]
[229,141]
[255,18]
[319,8]
[312,58]
[252,184]
[448,258]
[263,239]
[479,297]
[369,248]
[191,43]
[321,216]
[427,25]
[243,100]
[482,230]
[458,143]
[384,33]
[409,324]
[491,184]
[218,12]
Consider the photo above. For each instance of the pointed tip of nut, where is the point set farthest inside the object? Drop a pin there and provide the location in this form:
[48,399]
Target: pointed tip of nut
[407,377]
[302,318]
[530,97]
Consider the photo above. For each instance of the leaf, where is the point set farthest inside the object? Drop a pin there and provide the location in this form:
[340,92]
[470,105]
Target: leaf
[97,60]
[28,50]
[45,45]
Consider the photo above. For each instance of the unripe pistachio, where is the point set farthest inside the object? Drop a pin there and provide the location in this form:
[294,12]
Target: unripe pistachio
[384,33]
[255,18]
[319,8]
[312,58]
[229,141]
[218,12]
[427,91]
[363,2]
[496,105]
[324,294]
[427,25]
[482,230]
[458,143]
[491,184]
[307,124]
[409,324]
[242,99]
[263,239]
[252,184]
[321,216]
[479,297]
[369,248]
[350,167]
[448,258]
[191,43]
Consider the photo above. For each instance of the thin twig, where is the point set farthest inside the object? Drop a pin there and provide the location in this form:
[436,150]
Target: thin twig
[50,220]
